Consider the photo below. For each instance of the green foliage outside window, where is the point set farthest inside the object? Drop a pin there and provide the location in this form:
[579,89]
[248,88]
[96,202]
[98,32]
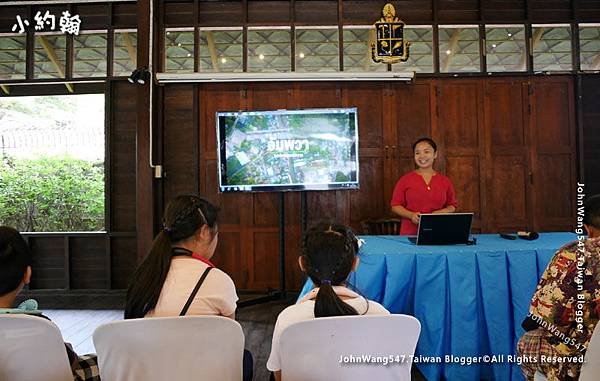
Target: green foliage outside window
[56,193]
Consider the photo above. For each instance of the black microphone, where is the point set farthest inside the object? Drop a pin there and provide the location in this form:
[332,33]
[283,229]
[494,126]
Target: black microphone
[529,236]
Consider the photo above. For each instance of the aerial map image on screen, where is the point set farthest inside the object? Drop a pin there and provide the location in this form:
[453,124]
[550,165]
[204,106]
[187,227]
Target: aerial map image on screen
[290,148]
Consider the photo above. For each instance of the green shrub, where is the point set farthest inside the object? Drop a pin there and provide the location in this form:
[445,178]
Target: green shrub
[52,194]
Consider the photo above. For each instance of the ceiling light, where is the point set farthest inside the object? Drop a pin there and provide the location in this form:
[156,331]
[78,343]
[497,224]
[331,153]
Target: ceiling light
[223,60]
[448,51]
[261,56]
[301,55]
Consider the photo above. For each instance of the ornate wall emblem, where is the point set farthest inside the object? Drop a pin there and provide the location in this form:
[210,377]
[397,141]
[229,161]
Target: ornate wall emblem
[390,46]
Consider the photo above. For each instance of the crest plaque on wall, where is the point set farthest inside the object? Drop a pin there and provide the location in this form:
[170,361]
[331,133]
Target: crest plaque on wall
[390,46]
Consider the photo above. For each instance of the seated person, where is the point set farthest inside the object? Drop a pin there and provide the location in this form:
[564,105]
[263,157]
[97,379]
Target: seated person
[179,264]
[15,273]
[329,254]
[562,318]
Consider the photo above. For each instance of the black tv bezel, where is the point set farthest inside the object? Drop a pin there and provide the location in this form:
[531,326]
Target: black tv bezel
[221,157]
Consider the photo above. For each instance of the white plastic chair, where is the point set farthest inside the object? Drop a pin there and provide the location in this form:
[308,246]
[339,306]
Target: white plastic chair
[313,349]
[171,348]
[32,349]
[591,367]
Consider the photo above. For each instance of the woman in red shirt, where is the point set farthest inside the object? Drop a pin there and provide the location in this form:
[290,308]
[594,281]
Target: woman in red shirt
[423,190]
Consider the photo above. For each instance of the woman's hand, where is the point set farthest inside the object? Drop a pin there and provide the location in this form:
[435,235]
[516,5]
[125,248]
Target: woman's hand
[415,217]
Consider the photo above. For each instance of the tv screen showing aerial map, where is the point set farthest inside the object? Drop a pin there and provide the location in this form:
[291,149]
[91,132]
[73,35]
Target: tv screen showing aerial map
[287,150]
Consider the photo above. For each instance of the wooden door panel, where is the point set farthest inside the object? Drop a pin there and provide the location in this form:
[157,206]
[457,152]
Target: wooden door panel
[552,120]
[48,263]
[368,99]
[123,261]
[229,257]
[412,110]
[507,135]
[123,158]
[553,187]
[508,208]
[88,262]
[458,113]
[264,267]
[369,201]
[553,153]
[180,144]
[463,171]
[504,115]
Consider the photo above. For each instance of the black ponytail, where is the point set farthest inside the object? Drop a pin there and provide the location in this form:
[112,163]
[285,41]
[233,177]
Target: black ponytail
[328,254]
[183,217]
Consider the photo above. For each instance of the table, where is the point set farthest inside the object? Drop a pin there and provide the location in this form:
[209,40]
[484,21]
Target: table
[470,300]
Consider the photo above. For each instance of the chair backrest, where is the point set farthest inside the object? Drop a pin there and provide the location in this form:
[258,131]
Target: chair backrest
[171,348]
[591,368]
[32,349]
[387,226]
[349,348]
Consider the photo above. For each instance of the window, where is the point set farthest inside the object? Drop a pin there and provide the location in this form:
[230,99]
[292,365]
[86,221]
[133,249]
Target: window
[125,52]
[317,49]
[505,48]
[459,48]
[50,55]
[12,56]
[90,54]
[221,50]
[420,57]
[179,50]
[551,47]
[357,49]
[52,162]
[589,46]
[269,50]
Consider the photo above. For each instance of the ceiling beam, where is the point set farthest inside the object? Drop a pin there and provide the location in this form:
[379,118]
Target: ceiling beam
[535,40]
[596,63]
[213,51]
[452,47]
[131,51]
[49,49]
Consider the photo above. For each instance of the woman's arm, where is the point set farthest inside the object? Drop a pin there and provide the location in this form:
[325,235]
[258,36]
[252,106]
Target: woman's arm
[448,209]
[403,212]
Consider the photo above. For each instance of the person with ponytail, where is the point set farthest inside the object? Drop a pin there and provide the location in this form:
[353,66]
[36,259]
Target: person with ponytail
[329,254]
[178,262]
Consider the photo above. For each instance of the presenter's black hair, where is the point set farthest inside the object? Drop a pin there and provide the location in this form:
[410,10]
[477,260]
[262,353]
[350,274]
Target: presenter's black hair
[427,140]
[592,211]
[183,217]
[328,253]
[14,259]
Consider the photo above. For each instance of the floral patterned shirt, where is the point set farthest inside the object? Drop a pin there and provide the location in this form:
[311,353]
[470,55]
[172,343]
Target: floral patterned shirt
[567,299]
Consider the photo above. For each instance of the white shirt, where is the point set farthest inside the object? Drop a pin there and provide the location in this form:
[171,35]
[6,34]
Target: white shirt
[304,310]
[216,296]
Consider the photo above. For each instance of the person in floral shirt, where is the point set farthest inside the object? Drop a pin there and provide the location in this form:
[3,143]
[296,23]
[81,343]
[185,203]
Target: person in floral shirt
[565,307]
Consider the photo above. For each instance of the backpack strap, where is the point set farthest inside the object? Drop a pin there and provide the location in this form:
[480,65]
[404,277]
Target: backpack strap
[194,292]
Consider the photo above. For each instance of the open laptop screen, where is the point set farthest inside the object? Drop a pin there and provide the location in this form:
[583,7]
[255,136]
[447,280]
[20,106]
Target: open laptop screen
[444,229]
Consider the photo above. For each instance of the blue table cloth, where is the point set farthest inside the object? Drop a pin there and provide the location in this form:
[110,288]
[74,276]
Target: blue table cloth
[470,300]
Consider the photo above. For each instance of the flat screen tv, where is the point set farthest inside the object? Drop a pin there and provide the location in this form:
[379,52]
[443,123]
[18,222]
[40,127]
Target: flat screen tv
[288,150]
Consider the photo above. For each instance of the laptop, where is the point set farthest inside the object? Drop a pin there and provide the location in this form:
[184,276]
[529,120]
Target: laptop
[443,229]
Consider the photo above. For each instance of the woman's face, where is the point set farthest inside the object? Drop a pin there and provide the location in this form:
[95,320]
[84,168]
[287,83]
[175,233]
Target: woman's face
[424,155]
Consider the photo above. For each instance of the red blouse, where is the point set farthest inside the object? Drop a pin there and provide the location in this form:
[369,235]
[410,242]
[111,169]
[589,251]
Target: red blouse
[414,194]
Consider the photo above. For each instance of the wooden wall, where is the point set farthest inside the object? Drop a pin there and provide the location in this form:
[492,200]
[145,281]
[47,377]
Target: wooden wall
[508,144]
